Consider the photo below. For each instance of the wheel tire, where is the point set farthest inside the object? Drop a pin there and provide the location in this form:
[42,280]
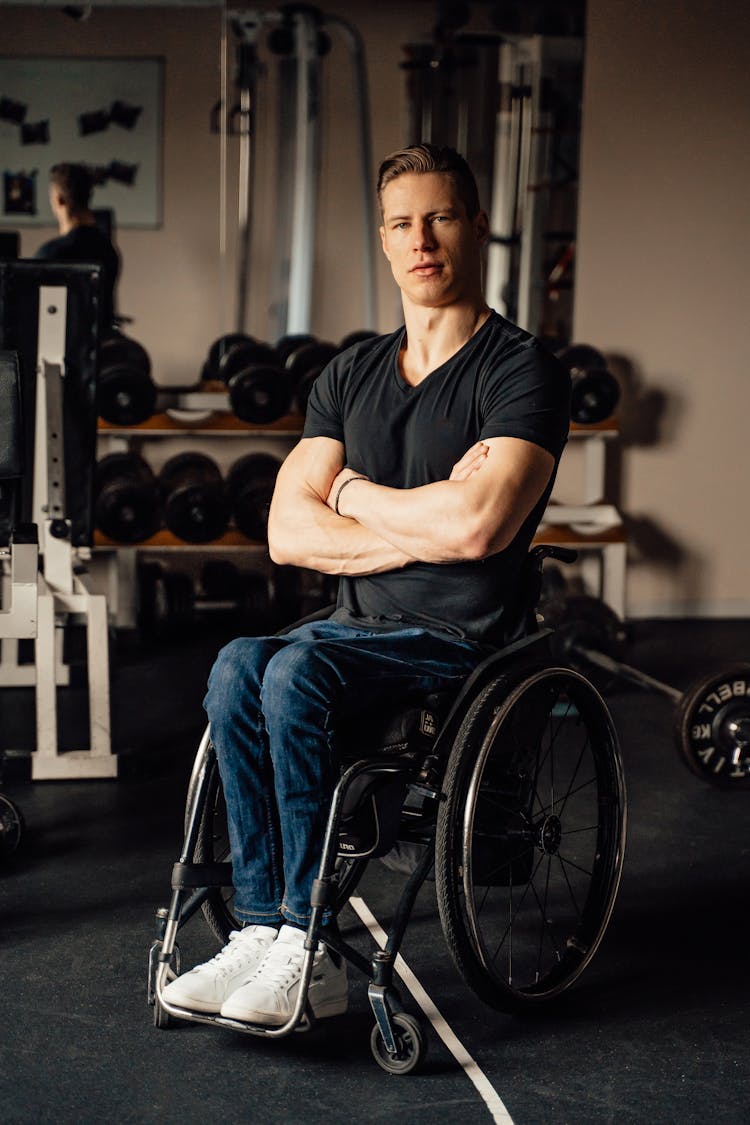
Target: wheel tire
[702,726]
[11,827]
[530,836]
[213,847]
[410,1039]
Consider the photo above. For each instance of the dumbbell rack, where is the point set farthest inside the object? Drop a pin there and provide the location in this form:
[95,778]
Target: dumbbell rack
[213,420]
[593,528]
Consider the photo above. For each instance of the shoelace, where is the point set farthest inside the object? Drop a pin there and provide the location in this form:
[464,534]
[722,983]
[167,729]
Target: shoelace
[280,965]
[227,957]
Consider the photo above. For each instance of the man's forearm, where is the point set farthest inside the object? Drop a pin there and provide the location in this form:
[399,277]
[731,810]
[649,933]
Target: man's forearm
[472,515]
[308,533]
[433,522]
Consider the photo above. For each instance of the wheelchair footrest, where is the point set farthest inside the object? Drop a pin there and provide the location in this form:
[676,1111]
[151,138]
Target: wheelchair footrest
[201,875]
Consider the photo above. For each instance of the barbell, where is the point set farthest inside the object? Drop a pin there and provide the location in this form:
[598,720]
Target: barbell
[712,717]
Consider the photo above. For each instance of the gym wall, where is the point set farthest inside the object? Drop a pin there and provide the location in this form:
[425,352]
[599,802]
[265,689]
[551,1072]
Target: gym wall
[661,286]
[661,252]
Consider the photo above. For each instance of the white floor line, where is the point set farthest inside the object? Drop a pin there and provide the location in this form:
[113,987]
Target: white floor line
[473,1071]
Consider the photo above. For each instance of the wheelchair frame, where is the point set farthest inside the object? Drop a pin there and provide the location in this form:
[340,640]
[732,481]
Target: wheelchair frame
[397,1041]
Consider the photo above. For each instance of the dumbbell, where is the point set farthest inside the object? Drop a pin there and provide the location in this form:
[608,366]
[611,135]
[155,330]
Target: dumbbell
[250,484]
[288,344]
[595,391]
[193,496]
[126,393]
[217,352]
[303,366]
[259,389]
[712,719]
[126,499]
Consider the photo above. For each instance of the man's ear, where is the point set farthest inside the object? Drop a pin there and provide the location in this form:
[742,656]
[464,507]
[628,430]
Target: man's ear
[482,227]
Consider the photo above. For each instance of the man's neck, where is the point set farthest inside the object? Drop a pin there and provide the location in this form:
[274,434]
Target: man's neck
[433,335]
[69,222]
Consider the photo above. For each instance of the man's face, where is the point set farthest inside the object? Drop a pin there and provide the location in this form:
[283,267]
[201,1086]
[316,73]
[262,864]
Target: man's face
[433,247]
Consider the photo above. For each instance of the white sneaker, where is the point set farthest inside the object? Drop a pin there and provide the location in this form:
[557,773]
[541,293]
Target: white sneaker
[269,995]
[207,986]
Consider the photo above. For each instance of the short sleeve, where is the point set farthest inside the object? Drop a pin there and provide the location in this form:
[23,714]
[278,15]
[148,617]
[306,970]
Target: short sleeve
[324,416]
[528,396]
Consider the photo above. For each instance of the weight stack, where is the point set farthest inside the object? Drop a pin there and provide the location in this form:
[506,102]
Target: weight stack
[126,498]
[250,484]
[194,500]
[126,393]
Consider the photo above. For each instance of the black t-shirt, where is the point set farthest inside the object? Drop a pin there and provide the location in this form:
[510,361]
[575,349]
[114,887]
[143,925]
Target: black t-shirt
[501,383]
[88,244]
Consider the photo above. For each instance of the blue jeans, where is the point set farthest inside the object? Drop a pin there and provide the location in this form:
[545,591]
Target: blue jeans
[272,704]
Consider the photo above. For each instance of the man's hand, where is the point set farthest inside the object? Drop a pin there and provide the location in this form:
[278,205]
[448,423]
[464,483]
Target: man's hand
[471,461]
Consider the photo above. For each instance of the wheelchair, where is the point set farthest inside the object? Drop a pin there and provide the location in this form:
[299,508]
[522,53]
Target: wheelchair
[510,792]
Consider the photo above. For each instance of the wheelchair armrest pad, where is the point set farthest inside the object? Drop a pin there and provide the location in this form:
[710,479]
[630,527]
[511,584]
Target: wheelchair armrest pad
[11,464]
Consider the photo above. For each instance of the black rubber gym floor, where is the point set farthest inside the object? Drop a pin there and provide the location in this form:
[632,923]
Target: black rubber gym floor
[656,1031]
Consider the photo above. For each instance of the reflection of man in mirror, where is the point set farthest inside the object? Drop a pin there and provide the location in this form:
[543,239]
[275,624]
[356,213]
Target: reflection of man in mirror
[80,240]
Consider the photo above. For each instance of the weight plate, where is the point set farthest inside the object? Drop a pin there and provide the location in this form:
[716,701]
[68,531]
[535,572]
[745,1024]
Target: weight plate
[712,727]
[125,395]
[288,344]
[260,394]
[582,358]
[594,396]
[119,350]
[245,355]
[219,349]
[303,358]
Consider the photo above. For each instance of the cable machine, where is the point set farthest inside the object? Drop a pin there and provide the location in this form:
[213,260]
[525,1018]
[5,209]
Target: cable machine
[297,37]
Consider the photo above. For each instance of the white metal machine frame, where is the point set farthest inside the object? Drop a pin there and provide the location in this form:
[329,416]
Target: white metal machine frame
[39,599]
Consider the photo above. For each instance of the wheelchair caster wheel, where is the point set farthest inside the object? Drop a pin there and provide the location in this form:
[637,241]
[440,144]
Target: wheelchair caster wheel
[11,826]
[410,1043]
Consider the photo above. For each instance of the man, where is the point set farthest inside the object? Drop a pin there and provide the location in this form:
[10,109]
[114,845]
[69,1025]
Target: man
[426,462]
[80,239]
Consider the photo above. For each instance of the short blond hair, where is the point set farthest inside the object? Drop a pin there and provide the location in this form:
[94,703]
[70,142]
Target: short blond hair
[423,158]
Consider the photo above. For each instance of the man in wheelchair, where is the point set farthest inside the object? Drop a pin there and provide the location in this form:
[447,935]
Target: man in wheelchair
[427,460]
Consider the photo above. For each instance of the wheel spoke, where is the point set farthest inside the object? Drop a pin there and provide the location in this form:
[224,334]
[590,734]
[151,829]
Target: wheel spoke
[535,806]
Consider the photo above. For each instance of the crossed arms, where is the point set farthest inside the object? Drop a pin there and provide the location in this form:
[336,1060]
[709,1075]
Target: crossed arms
[475,513]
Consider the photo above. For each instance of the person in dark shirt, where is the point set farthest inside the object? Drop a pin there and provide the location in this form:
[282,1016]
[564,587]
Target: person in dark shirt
[80,239]
[427,459]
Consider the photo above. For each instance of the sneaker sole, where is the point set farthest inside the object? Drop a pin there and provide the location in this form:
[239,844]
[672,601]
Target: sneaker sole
[192,1005]
[333,1007]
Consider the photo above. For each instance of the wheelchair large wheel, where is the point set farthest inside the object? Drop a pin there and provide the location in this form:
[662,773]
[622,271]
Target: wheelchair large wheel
[213,847]
[530,836]
[11,826]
